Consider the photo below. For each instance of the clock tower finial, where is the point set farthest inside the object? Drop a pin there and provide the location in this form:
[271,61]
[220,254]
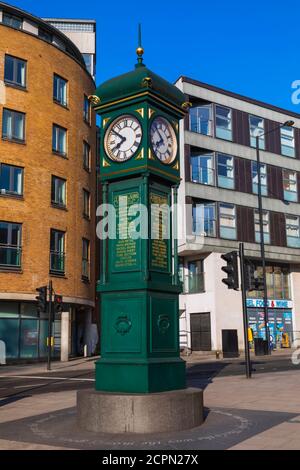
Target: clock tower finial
[140,50]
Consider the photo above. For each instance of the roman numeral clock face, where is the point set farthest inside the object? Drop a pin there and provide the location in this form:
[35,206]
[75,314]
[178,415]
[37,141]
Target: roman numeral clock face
[163,140]
[123,138]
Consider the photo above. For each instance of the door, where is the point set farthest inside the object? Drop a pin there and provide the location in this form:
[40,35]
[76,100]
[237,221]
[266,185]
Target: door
[200,332]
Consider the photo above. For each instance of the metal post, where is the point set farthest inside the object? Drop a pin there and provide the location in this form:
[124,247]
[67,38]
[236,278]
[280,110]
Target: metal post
[49,326]
[245,317]
[175,241]
[262,244]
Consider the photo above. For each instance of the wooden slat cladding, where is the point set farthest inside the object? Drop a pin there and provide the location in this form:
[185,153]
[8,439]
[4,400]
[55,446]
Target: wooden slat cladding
[187,162]
[275,182]
[242,175]
[297,142]
[277,229]
[272,139]
[245,224]
[240,127]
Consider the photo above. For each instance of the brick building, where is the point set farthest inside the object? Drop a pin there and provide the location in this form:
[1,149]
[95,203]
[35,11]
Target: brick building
[47,185]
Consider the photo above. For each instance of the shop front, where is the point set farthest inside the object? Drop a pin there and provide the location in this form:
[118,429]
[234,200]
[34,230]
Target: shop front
[24,332]
[280,321]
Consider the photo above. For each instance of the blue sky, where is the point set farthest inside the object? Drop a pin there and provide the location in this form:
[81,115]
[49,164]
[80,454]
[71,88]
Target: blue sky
[250,47]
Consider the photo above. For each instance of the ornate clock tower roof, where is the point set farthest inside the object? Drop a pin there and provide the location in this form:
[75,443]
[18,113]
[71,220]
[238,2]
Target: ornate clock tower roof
[134,83]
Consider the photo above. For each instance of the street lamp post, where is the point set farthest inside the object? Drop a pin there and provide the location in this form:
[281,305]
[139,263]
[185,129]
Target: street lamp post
[261,229]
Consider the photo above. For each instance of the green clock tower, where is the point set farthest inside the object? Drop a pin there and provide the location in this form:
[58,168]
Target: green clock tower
[139,286]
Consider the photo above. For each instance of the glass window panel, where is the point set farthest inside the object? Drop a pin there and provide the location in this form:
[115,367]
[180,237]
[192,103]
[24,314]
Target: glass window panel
[290,185]
[86,109]
[203,169]
[58,192]
[13,125]
[225,171]
[13,21]
[11,179]
[293,231]
[60,90]
[57,251]
[223,123]
[86,156]
[204,219]
[86,203]
[263,179]
[227,221]
[266,227]
[9,333]
[59,138]
[287,141]
[201,119]
[256,125]
[29,338]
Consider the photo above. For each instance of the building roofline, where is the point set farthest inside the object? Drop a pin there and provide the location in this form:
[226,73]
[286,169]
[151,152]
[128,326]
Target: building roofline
[262,104]
[72,20]
[24,14]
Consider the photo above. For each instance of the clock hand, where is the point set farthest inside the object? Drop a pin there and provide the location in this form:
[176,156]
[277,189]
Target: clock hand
[119,135]
[159,142]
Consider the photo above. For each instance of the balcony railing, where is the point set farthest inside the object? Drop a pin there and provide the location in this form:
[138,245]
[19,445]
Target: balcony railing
[10,256]
[193,283]
[57,262]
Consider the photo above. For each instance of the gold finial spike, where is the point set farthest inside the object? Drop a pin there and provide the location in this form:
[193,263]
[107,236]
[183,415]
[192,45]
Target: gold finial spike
[140,50]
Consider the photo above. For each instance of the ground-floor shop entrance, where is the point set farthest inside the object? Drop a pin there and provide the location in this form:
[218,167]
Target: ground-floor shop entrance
[280,326]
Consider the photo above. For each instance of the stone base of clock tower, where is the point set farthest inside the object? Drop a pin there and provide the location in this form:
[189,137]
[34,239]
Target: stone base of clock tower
[116,413]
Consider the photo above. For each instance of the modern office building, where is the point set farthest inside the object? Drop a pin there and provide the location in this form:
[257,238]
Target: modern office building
[47,185]
[83,34]
[218,197]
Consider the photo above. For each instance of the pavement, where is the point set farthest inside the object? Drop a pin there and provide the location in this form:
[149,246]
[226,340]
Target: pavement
[37,407]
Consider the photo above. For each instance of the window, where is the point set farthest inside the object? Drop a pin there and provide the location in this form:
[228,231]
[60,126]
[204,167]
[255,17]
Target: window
[201,119]
[290,185]
[86,156]
[85,259]
[263,179]
[225,171]
[195,278]
[292,223]
[59,140]
[57,252]
[10,245]
[13,125]
[13,21]
[89,60]
[257,128]
[60,90]
[287,141]
[11,179]
[45,35]
[266,227]
[86,204]
[15,71]
[223,123]
[203,169]
[278,282]
[204,219]
[86,109]
[227,218]
[58,191]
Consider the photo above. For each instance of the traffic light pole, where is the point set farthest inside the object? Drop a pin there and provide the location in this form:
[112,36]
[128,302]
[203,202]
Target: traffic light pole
[245,317]
[49,326]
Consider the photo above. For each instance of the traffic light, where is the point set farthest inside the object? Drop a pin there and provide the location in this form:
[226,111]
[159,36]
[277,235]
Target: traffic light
[41,298]
[58,303]
[252,280]
[232,280]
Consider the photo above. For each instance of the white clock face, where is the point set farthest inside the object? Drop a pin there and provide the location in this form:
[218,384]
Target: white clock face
[163,140]
[123,138]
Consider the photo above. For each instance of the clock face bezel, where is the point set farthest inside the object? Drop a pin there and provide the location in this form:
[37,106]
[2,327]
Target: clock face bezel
[173,133]
[107,133]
